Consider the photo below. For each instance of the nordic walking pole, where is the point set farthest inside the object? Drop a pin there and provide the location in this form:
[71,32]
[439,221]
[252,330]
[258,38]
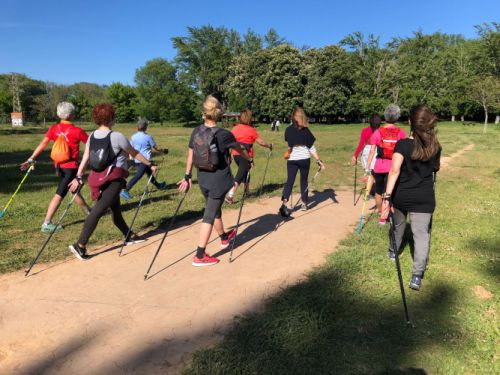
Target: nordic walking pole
[392,230]
[239,217]
[54,230]
[166,232]
[144,193]
[355,179]
[2,213]
[365,199]
[265,172]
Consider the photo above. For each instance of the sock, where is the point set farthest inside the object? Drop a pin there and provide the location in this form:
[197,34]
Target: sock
[224,236]
[200,251]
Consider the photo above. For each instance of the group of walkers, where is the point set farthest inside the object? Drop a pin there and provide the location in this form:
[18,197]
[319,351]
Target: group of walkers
[401,168]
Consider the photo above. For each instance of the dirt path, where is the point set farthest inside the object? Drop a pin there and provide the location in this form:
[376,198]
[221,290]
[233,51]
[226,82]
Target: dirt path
[101,317]
[446,160]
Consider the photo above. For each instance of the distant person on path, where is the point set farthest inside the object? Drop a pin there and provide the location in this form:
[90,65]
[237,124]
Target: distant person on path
[383,142]
[273,125]
[277,125]
[364,145]
[107,154]
[66,166]
[300,148]
[410,187]
[144,143]
[209,151]
[246,135]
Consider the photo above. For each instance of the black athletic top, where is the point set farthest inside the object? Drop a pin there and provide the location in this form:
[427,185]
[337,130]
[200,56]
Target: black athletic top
[414,191]
[299,137]
[218,182]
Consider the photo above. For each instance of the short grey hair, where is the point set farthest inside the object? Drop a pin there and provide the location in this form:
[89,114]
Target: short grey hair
[65,110]
[392,113]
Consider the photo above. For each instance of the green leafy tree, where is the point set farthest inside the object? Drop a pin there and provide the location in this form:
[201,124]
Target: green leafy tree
[124,99]
[486,92]
[330,82]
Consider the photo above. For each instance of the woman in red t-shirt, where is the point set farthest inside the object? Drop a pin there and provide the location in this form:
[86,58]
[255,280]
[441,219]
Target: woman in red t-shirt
[246,135]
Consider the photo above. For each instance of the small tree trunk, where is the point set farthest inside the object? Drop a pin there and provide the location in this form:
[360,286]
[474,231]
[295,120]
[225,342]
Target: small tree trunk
[462,118]
[497,119]
[452,118]
[485,119]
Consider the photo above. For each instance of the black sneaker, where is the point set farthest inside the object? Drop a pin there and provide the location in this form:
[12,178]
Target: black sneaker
[415,282]
[391,254]
[133,239]
[78,251]
[284,211]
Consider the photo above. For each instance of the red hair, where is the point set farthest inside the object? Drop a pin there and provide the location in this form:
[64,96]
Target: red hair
[103,114]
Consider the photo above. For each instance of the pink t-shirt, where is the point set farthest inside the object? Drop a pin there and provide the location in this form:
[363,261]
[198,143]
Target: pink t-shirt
[364,139]
[383,165]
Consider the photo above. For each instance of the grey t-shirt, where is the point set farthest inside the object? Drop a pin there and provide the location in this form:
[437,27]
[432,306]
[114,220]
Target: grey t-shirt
[119,143]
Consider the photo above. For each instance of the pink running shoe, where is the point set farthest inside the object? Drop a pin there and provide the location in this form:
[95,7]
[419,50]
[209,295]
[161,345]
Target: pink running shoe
[205,261]
[225,243]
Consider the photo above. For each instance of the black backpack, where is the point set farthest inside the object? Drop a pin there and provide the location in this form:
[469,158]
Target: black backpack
[101,153]
[205,151]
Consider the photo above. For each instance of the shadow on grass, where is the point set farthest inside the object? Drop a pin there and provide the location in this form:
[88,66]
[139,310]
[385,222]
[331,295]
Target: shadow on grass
[326,325]
[487,247]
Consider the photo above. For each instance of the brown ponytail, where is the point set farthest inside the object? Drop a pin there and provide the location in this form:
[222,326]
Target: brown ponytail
[423,127]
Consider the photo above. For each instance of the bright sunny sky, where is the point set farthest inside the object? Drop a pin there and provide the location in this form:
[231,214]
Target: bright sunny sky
[105,41]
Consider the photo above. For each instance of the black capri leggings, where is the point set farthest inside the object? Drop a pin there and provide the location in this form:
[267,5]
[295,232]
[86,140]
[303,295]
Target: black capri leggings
[110,198]
[66,175]
[213,207]
[292,167]
[380,182]
[243,168]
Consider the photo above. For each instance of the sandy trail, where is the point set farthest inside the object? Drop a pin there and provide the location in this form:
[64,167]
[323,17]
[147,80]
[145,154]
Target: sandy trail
[101,317]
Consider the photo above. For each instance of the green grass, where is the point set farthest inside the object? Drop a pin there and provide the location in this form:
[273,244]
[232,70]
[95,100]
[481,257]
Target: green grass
[347,316]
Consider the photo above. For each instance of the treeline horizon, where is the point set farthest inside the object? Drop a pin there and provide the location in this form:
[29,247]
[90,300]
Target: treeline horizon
[455,76]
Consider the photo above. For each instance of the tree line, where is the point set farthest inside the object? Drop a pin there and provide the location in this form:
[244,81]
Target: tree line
[455,76]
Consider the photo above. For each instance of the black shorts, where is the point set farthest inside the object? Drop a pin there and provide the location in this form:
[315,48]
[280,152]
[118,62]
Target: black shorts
[380,182]
[66,175]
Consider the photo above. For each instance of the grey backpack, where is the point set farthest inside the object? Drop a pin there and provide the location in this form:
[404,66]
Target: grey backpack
[205,151]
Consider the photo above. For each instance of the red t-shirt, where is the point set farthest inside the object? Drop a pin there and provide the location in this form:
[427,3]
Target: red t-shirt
[245,134]
[74,135]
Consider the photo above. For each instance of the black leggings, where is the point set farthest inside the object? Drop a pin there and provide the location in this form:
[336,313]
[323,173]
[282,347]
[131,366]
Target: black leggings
[243,168]
[380,182]
[110,198]
[213,207]
[293,166]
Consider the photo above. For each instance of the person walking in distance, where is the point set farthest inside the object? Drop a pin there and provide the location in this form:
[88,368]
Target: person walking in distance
[209,151]
[277,125]
[300,148]
[382,143]
[410,188]
[66,156]
[246,135]
[144,143]
[364,146]
[106,152]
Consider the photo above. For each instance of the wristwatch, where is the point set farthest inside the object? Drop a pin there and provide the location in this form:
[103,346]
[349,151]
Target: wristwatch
[188,176]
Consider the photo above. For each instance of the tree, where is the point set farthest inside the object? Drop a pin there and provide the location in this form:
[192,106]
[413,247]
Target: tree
[272,39]
[203,57]
[124,99]
[161,97]
[486,92]
[330,82]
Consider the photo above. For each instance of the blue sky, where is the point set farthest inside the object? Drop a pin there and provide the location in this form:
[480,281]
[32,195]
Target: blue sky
[106,41]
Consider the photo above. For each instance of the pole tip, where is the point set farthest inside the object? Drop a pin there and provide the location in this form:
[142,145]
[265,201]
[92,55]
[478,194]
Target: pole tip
[145,277]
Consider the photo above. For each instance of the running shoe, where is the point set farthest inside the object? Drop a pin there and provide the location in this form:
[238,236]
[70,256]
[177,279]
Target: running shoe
[125,195]
[224,243]
[48,228]
[391,254]
[78,251]
[381,221]
[162,186]
[133,239]
[415,282]
[284,211]
[303,207]
[205,261]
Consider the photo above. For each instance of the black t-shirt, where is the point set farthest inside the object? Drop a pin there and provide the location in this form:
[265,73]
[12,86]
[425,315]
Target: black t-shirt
[217,183]
[414,191]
